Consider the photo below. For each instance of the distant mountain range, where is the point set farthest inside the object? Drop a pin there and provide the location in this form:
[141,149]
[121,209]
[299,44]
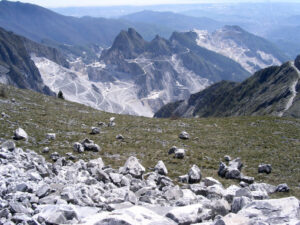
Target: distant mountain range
[276,21]
[43,25]
[271,91]
[174,21]
[40,24]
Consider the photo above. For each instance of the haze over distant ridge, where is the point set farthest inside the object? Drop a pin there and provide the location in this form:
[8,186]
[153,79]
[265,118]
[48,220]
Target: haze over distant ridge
[67,3]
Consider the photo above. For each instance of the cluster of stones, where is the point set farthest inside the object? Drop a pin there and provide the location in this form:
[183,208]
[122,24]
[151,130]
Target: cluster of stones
[34,191]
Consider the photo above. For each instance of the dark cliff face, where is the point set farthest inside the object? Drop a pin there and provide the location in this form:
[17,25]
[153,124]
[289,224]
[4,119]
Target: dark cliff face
[20,69]
[271,91]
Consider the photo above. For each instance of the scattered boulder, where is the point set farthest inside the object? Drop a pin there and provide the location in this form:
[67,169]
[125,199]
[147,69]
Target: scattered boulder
[95,163]
[20,218]
[17,207]
[172,150]
[20,134]
[55,156]
[189,214]
[273,211]
[4,115]
[282,188]
[238,203]
[227,158]
[133,167]
[233,171]
[89,145]
[112,122]
[209,181]
[95,130]
[265,168]
[246,179]
[57,214]
[179,153]
[183,178]
[184,135]
[119,137]
[136,215]
[194,174]
[173,193]
[263,187]
[9,145]
[43,191]
[78,147]
[70,156]
[160,168]
[46,150]
[51,136]
[101,124]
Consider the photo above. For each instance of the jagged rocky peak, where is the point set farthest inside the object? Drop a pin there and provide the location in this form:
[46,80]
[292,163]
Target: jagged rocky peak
[159,46]
[128,43]
[177,36]
[297,62]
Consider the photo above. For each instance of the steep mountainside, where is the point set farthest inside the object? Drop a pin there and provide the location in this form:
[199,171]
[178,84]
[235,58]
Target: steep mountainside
[138,77]
[252,52]
[16,66]
[272,91]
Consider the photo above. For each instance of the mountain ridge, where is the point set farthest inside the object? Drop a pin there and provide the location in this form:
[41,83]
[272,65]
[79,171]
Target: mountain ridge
[17,68]
[41,24]
[273,90]
[136,76]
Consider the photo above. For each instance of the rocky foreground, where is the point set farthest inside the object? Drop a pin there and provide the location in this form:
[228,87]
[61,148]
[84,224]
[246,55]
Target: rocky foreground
[34,191]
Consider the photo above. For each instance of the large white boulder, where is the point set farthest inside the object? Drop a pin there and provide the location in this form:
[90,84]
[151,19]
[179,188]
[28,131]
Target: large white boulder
[161,168]
[133,167]
[190,214]
[135,215]
[284,211]
[20,134]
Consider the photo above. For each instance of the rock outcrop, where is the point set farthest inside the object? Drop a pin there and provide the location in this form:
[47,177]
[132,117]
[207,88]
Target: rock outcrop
[34,191]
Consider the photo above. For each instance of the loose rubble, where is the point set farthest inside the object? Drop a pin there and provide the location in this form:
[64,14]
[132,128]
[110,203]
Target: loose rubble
[34,191]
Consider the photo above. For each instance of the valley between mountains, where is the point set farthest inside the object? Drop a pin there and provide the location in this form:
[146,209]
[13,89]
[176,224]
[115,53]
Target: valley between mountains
[151,118]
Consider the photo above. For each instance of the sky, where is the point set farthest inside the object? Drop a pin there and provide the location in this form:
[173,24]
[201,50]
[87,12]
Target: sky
[67,3]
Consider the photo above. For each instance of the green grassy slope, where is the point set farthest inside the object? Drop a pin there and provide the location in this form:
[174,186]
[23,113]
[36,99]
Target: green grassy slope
[255,139]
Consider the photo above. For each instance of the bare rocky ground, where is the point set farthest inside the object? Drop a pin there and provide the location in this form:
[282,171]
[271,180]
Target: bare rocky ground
[34,191]
[53,173]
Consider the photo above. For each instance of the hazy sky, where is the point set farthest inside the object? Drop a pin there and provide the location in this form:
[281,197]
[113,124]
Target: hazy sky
[64,3]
